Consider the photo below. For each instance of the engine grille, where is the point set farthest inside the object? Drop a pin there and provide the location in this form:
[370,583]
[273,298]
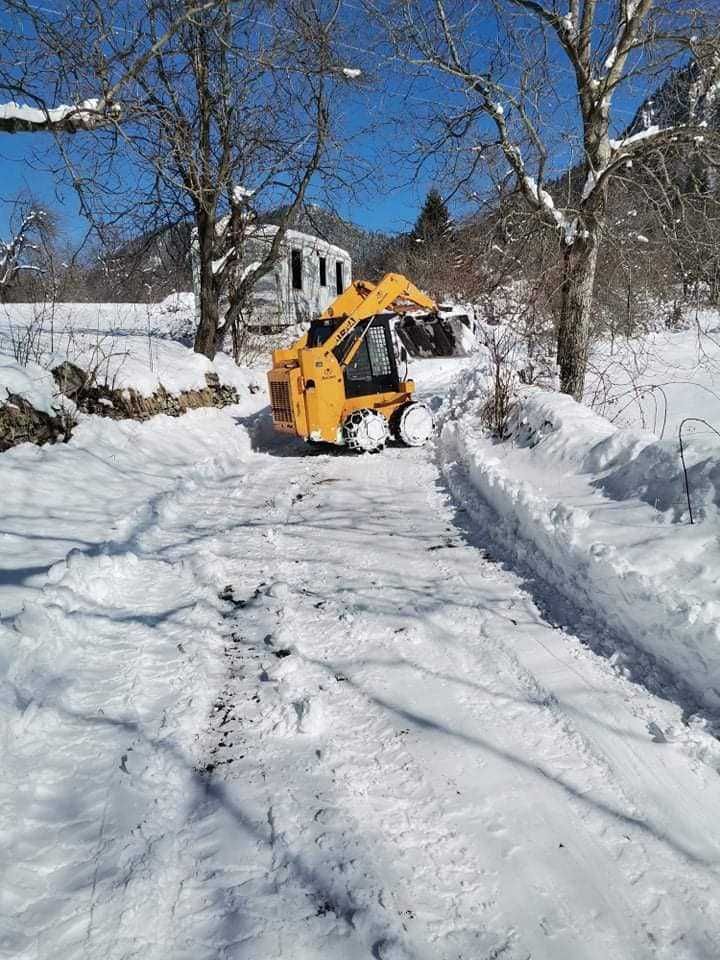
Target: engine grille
[280,401]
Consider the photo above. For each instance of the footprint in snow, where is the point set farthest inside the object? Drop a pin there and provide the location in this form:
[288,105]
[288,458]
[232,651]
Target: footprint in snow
[280,590]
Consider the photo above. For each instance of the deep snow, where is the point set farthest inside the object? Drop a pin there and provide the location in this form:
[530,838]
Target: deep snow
[123,345]
[601,513]
[377,743]
[166,318]
[652,382]
[30,382]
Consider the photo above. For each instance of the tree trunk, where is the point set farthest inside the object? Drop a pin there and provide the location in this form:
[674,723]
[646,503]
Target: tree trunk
[206,336]
[579,265]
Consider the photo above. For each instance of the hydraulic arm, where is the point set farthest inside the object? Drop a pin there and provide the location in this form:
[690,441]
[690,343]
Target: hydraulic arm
[363,301]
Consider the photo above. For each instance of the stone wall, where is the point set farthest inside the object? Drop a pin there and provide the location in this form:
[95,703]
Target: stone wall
[20,422]
[90,397]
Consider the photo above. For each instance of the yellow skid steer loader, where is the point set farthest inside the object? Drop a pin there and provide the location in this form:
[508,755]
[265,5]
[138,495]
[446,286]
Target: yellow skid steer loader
[339,382]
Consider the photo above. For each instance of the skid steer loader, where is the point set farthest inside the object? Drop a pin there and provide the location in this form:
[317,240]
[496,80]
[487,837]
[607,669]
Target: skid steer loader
[339,382]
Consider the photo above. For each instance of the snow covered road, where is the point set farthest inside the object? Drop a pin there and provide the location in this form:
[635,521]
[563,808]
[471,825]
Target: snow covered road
[373,744]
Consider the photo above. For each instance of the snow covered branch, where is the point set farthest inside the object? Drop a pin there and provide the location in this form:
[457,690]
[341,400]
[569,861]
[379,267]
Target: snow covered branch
[87,115]
[632,147]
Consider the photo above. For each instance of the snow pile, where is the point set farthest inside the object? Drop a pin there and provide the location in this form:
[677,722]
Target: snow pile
[145,365]
[31,383]
[131,363]
[246,380]
[599,513]
[102,485]
[123,346]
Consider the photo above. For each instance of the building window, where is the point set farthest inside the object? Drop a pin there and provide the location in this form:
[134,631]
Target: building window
[323,272]
[339,282]
[296,263]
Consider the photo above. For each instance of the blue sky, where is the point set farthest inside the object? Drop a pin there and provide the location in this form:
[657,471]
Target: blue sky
[391,204]
[24,163]
[25,168]
[27,162]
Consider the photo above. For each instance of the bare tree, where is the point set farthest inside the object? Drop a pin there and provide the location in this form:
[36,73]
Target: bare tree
[241,110]
[232,113]
[218,109]
[31,228]
[46,49]
[542,84]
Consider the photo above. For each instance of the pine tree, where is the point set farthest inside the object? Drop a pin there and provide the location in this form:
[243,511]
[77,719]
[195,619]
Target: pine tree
[434,222]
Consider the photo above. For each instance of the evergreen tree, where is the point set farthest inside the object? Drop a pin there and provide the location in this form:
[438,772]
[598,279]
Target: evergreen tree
[433,224]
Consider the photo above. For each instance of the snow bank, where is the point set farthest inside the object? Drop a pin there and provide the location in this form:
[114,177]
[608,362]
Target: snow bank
[123,348]
[109,657]
[101,486]
[31,382]
[144,365]
[127,346]
[599,513]
[133,363]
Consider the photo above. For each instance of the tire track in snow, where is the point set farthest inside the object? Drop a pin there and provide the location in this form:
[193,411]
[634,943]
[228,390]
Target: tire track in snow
[660,801]
[528,687]
[636,871]
[279,723]
[644,702]
[405,781]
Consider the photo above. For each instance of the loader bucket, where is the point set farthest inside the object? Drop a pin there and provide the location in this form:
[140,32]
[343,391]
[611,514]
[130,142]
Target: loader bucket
[435,335]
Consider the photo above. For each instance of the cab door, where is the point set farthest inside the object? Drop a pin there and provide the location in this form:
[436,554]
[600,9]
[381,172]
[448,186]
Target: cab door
[373,368]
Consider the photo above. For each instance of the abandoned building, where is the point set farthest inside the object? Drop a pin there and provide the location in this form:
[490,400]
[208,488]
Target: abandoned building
[306,278]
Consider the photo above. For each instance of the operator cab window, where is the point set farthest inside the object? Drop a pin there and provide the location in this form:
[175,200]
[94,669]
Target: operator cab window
[373,368]
[296,266]
[378,352]
[339,279]
[323,272]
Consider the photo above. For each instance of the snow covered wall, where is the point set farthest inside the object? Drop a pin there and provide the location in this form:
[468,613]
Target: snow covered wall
[599,513]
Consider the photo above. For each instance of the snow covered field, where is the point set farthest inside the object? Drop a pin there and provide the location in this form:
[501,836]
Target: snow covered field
[386,739]
[94,319]
[654,381]
[106,341]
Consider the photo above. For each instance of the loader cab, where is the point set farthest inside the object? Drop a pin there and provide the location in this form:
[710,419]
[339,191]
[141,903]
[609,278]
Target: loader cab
[374,367]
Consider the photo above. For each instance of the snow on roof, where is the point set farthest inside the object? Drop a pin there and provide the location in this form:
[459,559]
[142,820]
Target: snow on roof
[265,231]
[298,237]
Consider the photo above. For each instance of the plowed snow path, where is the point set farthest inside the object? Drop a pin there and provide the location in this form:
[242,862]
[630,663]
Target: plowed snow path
[403,758]
[408,761]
